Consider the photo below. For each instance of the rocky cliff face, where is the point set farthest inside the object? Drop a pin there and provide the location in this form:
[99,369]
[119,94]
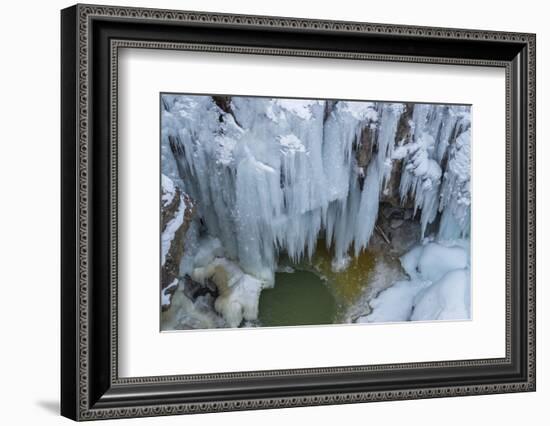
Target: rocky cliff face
[177,210]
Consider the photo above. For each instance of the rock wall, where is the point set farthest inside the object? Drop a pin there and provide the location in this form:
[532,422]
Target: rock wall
[177,211]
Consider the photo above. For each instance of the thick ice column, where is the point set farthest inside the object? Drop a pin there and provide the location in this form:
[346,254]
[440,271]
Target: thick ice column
[455,191]
[368,208]
[435,130]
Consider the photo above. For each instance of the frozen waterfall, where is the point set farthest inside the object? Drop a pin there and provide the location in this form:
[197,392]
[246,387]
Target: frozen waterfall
[271,176]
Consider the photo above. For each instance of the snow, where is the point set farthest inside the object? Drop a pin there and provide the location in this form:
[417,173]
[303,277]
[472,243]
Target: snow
[170,230]
[361,110]
[166,293]
[438,288]
[446,299]
[395,303]
[291,144]
[168,190]
[299,107]
[409,261]
[437,259]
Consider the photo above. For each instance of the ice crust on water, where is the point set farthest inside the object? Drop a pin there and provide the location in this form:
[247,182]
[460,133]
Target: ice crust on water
[275,175]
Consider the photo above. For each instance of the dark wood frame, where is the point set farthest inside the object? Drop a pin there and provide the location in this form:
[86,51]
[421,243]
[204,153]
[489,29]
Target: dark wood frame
[90,38]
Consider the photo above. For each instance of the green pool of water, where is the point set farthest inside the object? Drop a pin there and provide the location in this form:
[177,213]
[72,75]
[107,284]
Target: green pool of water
[298,298]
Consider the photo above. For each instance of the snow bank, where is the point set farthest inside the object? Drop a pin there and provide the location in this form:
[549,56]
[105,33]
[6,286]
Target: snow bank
[438,289]
[446,299]
[438,259]
[395,303]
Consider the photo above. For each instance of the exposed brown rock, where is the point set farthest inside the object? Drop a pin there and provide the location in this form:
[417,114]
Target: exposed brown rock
[170,270]
[176,146]
[390,193]
[194,289]
[224,103]
[403,132]
[329,107]
[364,150]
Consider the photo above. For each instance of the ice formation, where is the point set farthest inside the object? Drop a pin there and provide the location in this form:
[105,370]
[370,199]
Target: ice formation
[272,176]
[239,292]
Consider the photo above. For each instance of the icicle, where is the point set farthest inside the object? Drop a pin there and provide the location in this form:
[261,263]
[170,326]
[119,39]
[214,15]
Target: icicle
[368,208]
[455,191]
[274,175]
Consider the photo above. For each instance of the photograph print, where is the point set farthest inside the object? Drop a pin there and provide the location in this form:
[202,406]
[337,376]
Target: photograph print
[306,212]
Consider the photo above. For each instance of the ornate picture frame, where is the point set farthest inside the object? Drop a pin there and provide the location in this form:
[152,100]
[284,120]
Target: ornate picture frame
[91,37]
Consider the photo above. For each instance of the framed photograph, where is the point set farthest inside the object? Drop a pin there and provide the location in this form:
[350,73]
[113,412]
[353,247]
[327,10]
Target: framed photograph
[263,212]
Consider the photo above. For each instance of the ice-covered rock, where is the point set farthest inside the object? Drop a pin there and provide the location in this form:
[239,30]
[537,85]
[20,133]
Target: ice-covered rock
[396,303]
[176,214]
[455,191]
[446,299]
[438,288]
[438,259]
[239,293]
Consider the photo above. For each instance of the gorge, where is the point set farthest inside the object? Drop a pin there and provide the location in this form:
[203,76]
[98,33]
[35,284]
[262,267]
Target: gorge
[347,211]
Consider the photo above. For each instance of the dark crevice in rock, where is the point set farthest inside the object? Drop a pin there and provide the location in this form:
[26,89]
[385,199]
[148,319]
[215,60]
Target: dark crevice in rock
[403,136]
[224,103]
[365,148]
[193,289]
[176,146]
[329,107]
